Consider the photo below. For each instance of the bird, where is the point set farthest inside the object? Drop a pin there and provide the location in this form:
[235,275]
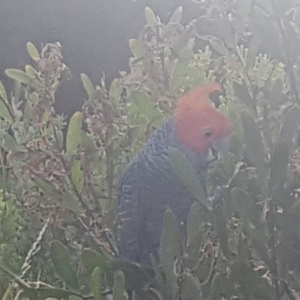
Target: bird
[150,184]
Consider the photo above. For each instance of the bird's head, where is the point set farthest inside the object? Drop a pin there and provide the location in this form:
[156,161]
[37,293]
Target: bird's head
[199,125]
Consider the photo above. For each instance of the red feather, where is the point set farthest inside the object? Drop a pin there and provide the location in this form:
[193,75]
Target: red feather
[198,123]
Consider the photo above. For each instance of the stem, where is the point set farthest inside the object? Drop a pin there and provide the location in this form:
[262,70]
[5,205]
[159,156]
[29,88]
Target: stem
[273,250]
[287,54]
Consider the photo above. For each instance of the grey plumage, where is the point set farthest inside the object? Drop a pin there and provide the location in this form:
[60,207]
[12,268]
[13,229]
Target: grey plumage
[149,184]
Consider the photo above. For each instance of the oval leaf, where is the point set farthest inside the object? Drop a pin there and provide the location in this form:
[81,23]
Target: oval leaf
[291,124]
[180,68]
[254,147]
[19,75]
[32,51]
[188,176]
[4,112]
[115,91]
[190,287]
[252,284]
[47,188]
[150,16]
[8,143]
[3,94]
[74,133]
[136,48]
[244,205]
[194,230]
[242,92]
[88,86]
[92,259]
[63,264]
[77,175]
[279,163]
[70,202]
[169,249]
[31,71]
[137,277]
[177,15]
[277,96]
[219,224]
[119,286]
[148,108]
[96,283]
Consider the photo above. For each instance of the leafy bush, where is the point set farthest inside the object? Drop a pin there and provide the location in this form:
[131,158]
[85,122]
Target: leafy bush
[243,244]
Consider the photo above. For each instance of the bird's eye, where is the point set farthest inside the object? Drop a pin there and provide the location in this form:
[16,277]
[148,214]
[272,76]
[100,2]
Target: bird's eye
[207,133]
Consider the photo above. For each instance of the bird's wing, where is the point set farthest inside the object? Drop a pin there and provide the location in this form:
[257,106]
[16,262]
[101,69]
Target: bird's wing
[130,220]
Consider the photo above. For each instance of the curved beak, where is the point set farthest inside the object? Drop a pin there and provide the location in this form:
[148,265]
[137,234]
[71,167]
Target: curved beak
[220,147]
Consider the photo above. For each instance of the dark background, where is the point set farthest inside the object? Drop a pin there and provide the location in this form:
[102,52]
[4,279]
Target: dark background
[94,35]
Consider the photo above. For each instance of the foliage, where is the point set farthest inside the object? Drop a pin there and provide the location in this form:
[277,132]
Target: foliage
[241,243]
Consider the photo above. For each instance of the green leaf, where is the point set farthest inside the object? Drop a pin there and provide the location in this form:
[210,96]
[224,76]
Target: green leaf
[265,28]
[253,49]
[17,90]
[277,97]
[194,230]
[238,179]
[74,133]
[258,242]
[225,31]
[115,91]
[31,71]
[180,68]
[254,148]
[136,48]
[177,15]
[131,135]
[245,205]
[4,113]
[190,288]
[119,286]
[92,259]
[137,277]
[77,175]
[219,224]
[160,279]
[96,283]
[28,111]
[63,264]
[251,283]
[88,86]
[92,152]
[70,202]
[8,143]
[242,12]
[222,288]
[18,75]
[291,124]
[22,77]
[147,108]
[279,163]
[72,297]
[3,94]
[51,292]
[170,250]
[242,92]
[243,249]
[150,16]
[32,51]
[88,143]
[47,188]
[188,176]
[218,46]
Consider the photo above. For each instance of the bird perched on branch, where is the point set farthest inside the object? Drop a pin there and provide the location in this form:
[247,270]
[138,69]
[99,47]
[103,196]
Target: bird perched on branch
[150,183]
